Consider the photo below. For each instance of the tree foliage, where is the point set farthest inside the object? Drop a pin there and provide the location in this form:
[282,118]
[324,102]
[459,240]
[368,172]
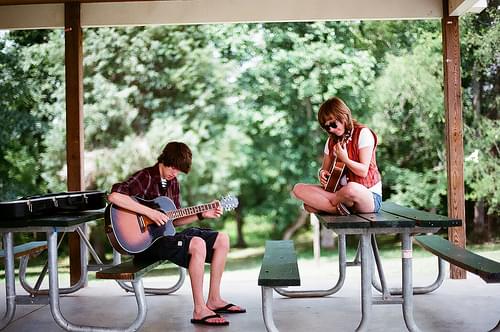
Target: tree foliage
[245,98]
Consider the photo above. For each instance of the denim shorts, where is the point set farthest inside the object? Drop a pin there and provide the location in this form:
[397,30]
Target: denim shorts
[377,202]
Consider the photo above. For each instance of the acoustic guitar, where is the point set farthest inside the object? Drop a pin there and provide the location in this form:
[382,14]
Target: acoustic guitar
[131,233]
[336,169]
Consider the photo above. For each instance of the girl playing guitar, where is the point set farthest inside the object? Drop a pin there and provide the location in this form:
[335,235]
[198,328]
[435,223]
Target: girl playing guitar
[352,145]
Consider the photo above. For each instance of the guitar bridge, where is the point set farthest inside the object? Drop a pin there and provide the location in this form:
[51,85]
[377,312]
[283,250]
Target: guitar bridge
[142,224]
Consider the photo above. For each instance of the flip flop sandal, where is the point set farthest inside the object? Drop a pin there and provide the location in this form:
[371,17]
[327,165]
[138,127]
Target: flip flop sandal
[225,309]
[204,321]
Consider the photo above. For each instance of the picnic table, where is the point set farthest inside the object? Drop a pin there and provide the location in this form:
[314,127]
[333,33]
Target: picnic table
[392,219]
[62,223]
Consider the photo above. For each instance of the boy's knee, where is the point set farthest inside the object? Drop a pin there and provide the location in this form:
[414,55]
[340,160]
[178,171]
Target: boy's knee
[197,247]
[222,242]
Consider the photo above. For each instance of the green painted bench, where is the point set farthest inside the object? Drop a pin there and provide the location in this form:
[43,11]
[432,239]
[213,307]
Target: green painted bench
[487,269]
[128,271]
[279,269]
[27,249]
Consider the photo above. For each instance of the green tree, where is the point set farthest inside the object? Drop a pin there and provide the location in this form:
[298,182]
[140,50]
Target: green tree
[409,120]
[481,81]
[291,70]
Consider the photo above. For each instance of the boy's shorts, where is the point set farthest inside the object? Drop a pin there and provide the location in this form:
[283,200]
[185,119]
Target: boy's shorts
[176,248]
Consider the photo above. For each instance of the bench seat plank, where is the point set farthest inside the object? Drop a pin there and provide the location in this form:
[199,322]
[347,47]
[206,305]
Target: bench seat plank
[279,265]
[130,270]
[25,249]
[487,269]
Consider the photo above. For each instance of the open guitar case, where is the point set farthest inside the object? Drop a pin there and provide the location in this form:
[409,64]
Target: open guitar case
[54,203]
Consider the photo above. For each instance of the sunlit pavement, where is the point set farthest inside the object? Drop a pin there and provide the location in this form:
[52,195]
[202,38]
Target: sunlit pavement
[459,305]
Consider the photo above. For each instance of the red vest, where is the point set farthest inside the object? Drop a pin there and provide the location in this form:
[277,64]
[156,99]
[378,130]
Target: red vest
[373,176]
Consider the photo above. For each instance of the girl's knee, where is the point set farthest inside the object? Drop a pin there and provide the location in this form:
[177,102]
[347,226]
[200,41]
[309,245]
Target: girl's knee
[299,189]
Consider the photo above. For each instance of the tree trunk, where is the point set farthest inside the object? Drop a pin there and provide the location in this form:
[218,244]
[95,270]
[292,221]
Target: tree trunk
[301,220]
[240,240]
[480,231]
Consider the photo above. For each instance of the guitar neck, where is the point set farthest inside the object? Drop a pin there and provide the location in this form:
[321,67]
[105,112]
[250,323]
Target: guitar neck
[190,211]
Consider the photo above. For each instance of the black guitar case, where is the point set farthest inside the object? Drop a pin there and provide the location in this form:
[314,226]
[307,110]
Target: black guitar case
[40,205]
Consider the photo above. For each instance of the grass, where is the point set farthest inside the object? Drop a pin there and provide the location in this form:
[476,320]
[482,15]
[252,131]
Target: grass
[251,257]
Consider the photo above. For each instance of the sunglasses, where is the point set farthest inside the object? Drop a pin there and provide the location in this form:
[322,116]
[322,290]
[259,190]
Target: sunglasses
[331,125]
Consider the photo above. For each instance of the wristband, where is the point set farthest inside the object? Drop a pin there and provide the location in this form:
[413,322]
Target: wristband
[200,216]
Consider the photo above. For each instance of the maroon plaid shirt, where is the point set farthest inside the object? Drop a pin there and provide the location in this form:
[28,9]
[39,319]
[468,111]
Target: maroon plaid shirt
[146,184]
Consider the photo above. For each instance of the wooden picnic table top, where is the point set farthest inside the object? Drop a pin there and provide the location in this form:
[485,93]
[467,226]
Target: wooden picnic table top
[391,215]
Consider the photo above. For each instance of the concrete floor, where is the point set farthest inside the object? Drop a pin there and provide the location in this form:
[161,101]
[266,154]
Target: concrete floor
[459,305]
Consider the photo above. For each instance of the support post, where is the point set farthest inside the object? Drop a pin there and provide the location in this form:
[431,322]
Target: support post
[74,119]
[454,130]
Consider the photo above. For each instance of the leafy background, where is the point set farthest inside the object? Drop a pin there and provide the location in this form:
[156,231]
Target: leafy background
[245,97]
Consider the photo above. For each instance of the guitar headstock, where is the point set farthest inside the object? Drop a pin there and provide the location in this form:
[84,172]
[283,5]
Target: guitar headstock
[229,202]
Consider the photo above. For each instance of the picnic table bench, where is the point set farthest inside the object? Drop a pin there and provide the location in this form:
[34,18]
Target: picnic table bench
[279,269]
[27,249]
[392,219]
[487,269]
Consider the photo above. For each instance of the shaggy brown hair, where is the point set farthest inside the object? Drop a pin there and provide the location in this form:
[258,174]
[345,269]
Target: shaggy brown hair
[335,109]
[177,155]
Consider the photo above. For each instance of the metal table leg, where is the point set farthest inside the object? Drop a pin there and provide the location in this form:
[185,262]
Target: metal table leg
[387,292]
[407,253]
[54,296]
[326,292]
[35,291]
[10,285]
[366,277]
[267,309]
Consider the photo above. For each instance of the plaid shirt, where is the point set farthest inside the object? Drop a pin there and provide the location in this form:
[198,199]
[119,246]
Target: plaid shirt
[146,184]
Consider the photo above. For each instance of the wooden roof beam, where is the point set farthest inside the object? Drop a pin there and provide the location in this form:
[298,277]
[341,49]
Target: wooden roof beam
[125,13]
[461,7]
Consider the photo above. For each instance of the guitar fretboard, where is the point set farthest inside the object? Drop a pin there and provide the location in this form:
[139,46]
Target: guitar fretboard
[189,211]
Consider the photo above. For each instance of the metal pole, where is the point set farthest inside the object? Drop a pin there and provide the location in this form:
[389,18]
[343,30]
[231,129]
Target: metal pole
[267,309]
[407,253]
[419,289]
[316,237]
[10,285]
[54,296]
[366,278]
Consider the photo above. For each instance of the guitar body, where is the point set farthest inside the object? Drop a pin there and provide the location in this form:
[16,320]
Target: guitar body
[336,171]
[131,233]
[337,168]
